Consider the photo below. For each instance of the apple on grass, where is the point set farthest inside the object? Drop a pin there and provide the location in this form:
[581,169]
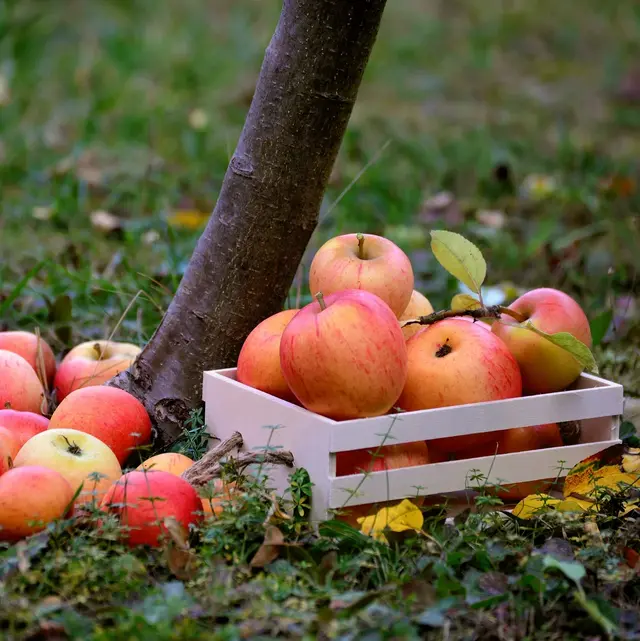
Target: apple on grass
[363,261]
[453,362]
[20,387]
[545,367]
[23,425]
[389,457]
[93,363]
[344,355]
[114,416]
[259,359]
[81,458]
[33,349]
[172,462]
[31,497]
[177,464]
[9,448]
[142,499]
[419,305]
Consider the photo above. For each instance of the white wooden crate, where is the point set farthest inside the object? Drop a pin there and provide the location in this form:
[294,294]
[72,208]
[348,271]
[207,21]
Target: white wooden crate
[314,440]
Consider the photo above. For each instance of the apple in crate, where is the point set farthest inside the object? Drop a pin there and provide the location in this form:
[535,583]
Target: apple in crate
[81,458]
[30,498]
[28,346]
[259,359]
[93,363]
[20,387]
[363,261]
[390,457]
[545,367]
[23,425]
[114,416]
[344,355]
[453,362]
[9,447]
[142,499]
[419,305]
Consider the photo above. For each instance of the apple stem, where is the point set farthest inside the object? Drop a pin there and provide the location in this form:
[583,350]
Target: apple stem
[360,238]
[73,448]
[320,298]
[98,351]
[515,315]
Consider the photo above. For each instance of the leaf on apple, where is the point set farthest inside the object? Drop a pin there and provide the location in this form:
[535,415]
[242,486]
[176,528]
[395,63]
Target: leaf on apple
[460,257]
[463,302]
[571,344]
[398,518]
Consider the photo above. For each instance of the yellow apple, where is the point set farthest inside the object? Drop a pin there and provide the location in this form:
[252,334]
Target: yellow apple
[363,261]
[93,363]
[419,305]
[77,456]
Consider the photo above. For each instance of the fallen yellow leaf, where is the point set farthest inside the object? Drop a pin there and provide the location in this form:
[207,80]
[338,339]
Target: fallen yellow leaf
[534,504]
[399,518]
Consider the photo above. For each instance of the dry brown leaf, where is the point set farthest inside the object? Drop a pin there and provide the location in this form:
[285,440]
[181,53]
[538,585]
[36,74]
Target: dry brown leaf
[180,558]
[270,549]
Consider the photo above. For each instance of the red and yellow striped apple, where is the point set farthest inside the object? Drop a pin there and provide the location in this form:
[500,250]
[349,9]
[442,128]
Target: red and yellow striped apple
[93,363]
[363,261]
[23,425]
[345,357]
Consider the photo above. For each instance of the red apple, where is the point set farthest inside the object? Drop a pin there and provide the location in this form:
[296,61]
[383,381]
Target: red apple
[143,499]
[347,358]
[9,447]
[455,363]
[114,416]
[419,305]
[373,264]
[93,363]
[259,359]
[28,346]
[30,499]
[20,387]
[23,425]
[537,437]
[545,367]
[81,458]
[390,457]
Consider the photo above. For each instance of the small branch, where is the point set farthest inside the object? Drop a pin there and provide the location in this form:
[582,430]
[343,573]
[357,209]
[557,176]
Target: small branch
[209,467]
[211,458]
[494,311]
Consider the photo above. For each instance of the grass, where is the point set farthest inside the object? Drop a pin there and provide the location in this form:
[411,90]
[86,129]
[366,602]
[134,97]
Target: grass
[133,108]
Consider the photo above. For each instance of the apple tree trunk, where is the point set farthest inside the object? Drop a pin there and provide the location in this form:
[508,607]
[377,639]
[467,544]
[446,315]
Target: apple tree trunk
[245,261]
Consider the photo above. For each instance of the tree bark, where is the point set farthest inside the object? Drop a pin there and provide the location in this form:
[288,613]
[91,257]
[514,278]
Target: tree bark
[246,259]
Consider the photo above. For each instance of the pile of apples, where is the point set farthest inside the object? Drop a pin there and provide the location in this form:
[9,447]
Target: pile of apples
[72,462]
[346,355]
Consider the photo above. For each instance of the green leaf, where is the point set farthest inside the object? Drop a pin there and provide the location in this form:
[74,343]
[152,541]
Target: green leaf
[591,608]
[571,569]
[571,344]
[462,302]
[599,326]
[460,257]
